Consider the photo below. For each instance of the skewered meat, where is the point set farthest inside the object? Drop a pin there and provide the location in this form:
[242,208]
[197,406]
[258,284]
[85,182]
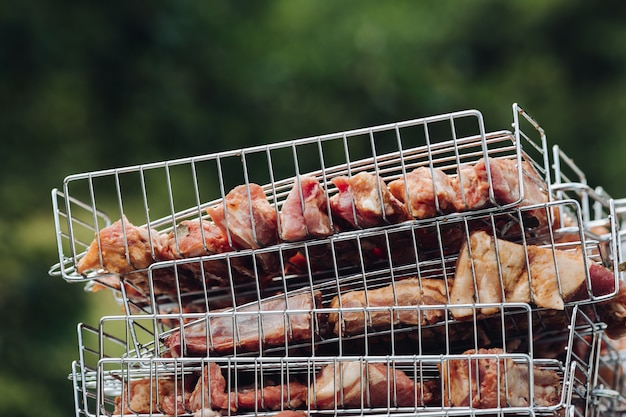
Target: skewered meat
[425,191]
[249,328]
[495,381]
[210,392]
[493,270]
[305,211]
[364,200]
[360,385]
[248,218]
[408,292]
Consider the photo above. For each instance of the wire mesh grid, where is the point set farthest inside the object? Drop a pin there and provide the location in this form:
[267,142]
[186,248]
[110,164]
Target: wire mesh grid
[428,253]
[553,375]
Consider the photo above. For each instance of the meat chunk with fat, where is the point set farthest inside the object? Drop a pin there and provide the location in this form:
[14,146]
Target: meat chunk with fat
[405,293]
[490,379]
[355,384]
[250,220]
[211,392]
[123,247]
[305,211]
[426,192]
[251,327]
[144,396]
[363,201]
[474,188]
[491,270]
[195,238]
[128,251]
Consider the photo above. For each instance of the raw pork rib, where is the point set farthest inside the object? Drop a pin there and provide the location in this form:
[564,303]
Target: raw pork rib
[496,382]
[359,385]
[408,292]
[479,278]
[249,329]
[305,211]
[210,393]
[358,202]
[429,192]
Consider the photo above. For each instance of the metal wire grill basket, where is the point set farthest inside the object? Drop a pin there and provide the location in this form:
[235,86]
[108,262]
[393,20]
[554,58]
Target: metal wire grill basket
[440,256]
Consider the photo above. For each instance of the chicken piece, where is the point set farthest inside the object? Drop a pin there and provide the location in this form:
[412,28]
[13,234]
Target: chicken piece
[495,381]
[408,292]
[211,393]
[248,218]
[358,202]
[493,271]
[250,327]
[359,385]
[426,192]
[305,211]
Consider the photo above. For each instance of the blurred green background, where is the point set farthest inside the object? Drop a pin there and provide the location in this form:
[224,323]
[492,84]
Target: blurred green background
[92,85]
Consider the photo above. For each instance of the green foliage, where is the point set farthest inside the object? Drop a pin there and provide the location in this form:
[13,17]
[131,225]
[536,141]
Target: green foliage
[105,84]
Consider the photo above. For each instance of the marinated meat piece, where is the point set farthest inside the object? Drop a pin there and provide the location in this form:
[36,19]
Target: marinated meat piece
[125,248]
[496,382]
[249,328]
[430,192]
[291,413]
[305,211]
[551,275]
[473,186]
[552,282]
[546,387]
[210,392]
[359,385]
[194,238]
[248,218]
[475,382]
[613,311]
[358,202]
[480,278]
[144,396]
[408,292]
[128,250]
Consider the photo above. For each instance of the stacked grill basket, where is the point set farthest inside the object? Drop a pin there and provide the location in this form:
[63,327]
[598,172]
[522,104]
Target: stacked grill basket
[247,347]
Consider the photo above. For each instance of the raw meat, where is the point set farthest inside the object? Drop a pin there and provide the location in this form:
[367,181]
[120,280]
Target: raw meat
[305,211]
[430,192]
[359,385]
[408,292]
[523,274]
[495,381]
[358,202]
[249,220]
[210,392]
[249,328]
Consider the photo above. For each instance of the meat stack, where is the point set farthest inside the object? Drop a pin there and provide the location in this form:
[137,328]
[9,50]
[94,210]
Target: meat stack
[424,266]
